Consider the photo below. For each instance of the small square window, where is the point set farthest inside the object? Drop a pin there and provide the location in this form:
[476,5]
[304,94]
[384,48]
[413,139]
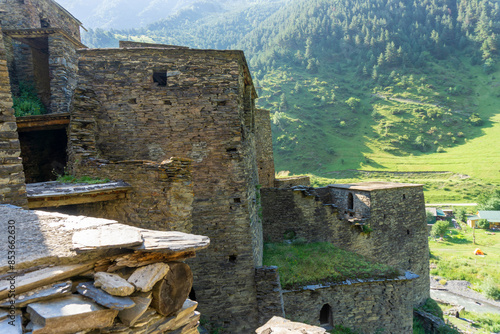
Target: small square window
[160,78]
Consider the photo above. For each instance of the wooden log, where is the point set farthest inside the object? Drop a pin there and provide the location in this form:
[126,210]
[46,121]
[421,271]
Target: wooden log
[170,293]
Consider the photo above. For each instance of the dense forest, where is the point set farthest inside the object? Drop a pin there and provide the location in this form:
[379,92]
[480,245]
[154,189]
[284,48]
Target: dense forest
[354,84]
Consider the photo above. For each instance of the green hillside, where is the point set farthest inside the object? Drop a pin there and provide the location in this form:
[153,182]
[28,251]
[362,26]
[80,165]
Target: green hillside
[373,85]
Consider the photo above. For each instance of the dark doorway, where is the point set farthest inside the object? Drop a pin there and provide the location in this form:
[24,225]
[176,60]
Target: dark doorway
[350,202]
[325,316]
[44,154]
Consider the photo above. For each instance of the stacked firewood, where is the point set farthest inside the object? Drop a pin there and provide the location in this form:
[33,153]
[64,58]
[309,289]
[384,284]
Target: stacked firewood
[119,279]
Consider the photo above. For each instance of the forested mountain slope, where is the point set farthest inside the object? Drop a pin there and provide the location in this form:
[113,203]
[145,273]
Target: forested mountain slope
[361,84]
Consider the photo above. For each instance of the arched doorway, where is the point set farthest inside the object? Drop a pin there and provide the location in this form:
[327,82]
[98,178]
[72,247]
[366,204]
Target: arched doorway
[325,316]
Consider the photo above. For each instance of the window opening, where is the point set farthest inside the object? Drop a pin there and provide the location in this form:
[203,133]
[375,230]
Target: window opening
[160,78]
[44,22]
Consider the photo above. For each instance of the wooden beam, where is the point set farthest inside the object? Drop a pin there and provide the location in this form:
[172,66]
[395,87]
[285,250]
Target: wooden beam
[42,122]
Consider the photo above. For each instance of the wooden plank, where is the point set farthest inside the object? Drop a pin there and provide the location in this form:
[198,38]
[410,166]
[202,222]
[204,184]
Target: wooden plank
[39,278]
[42,122]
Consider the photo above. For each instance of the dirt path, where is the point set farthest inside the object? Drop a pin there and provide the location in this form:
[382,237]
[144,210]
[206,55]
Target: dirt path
[459,292]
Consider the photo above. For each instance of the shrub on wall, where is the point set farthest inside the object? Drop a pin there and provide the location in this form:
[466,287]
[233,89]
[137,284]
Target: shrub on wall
[27,103]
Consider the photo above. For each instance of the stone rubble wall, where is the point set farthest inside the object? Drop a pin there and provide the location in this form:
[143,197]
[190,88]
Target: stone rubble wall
[398,234]
[26,14]
[293,181]
[367,308]
[264,145]
[161,198]
[205,112]
[12,184]
[269,293]
[63,69]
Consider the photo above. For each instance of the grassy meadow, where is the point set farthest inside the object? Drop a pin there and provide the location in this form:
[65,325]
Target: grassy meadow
[417,128]
[301,263]
[453,258]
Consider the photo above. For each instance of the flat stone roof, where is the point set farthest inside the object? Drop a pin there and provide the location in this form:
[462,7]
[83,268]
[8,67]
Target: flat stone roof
[372,186]
[43,238]
[54,194]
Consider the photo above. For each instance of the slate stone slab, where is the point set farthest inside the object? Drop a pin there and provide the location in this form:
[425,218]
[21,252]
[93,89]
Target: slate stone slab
[69,315]
[130,316]
[12,326]
[172,241]
[113,284]
[44,293]
[88,290]
[146,277]
[42,277]
[279,325]
[111,236]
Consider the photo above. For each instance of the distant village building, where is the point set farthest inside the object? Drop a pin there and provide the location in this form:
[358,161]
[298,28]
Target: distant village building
[493,217]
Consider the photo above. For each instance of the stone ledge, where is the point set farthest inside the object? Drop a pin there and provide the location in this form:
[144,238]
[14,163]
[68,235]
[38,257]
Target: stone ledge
[43,238]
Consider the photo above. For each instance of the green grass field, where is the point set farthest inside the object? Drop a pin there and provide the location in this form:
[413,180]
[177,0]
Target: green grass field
[320,262]
[454,258]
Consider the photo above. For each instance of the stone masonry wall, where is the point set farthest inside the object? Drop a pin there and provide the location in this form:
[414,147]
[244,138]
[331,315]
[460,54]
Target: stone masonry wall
[398,237]
[63,67]
[264,145]
[161,198]
[27,14]
[269,293]
[12,186]
[369,307]
[292,181]
[204,112]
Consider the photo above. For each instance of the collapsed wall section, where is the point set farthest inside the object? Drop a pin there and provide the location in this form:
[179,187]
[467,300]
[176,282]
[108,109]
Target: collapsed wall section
[12,186]
[385,222]
[154,103]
